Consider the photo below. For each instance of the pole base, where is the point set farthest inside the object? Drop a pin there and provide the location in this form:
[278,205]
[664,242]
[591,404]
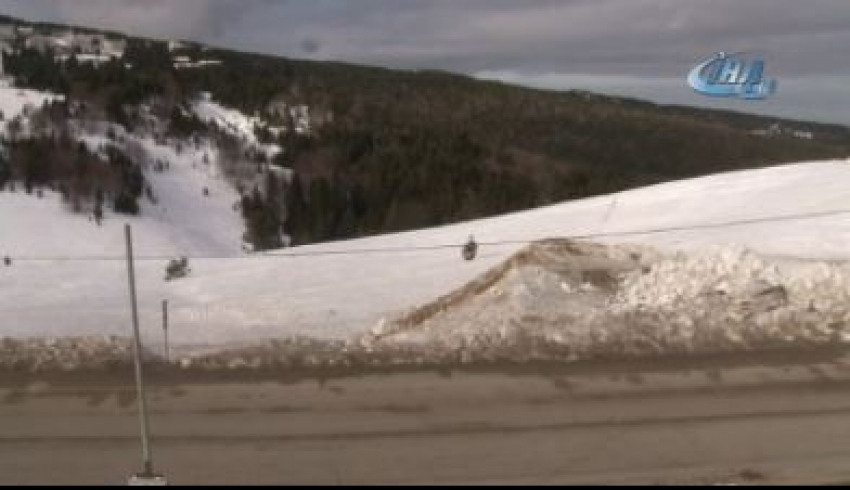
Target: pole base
[147,480]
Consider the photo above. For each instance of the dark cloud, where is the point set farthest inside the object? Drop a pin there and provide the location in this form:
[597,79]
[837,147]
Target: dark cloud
[648,42]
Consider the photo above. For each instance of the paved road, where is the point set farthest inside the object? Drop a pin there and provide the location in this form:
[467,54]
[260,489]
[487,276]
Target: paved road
[762,423]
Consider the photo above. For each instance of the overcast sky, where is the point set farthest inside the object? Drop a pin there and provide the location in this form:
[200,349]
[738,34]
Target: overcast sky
[642,48]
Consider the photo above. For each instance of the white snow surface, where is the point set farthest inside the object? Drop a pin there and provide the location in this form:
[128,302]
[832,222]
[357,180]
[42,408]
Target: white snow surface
[235,123]
[14,102]
[182,221]
[343,290]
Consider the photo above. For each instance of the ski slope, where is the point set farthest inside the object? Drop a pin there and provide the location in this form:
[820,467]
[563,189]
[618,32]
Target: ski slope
[182,221]
[341,290]
[186,220]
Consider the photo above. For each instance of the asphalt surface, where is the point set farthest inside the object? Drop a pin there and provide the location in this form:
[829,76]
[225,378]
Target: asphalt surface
[762,421]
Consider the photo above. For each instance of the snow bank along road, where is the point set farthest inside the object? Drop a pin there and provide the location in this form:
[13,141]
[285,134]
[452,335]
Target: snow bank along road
[343,290]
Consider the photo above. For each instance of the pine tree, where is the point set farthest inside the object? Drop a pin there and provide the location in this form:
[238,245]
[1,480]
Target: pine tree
[98,206]
[296,210]
[5,171]
[126,203]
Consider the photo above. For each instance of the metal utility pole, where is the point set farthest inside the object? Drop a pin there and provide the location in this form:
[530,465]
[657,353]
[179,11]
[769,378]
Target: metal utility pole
[165,328]
[147,476]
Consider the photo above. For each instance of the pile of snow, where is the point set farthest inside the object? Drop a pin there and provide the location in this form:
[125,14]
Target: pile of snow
[548,282]
[559,299]
[736,272]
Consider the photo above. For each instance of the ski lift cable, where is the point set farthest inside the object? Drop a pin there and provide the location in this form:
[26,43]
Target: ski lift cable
[408,249]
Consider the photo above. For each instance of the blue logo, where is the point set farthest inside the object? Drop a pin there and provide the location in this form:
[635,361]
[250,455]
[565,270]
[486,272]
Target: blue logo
[732,75]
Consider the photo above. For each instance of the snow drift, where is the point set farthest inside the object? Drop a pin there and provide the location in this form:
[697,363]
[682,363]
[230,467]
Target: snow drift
[560,299]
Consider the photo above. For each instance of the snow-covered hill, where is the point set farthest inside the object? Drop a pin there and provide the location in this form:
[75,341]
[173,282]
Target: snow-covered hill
[341,290]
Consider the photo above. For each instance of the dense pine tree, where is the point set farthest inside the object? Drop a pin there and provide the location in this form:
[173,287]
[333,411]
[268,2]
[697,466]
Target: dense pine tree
[388,150]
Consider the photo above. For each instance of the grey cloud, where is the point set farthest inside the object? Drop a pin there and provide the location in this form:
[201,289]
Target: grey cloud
[154,18]
[633,36]
[611,39]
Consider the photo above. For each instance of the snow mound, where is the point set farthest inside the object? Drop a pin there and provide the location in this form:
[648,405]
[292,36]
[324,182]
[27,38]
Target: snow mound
[548,279]
[736,273]
[560,299]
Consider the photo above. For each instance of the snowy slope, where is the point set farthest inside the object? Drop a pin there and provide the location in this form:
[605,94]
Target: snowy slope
[15,102]
[193,223]
[235,123]
[182,221]
[338,295]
